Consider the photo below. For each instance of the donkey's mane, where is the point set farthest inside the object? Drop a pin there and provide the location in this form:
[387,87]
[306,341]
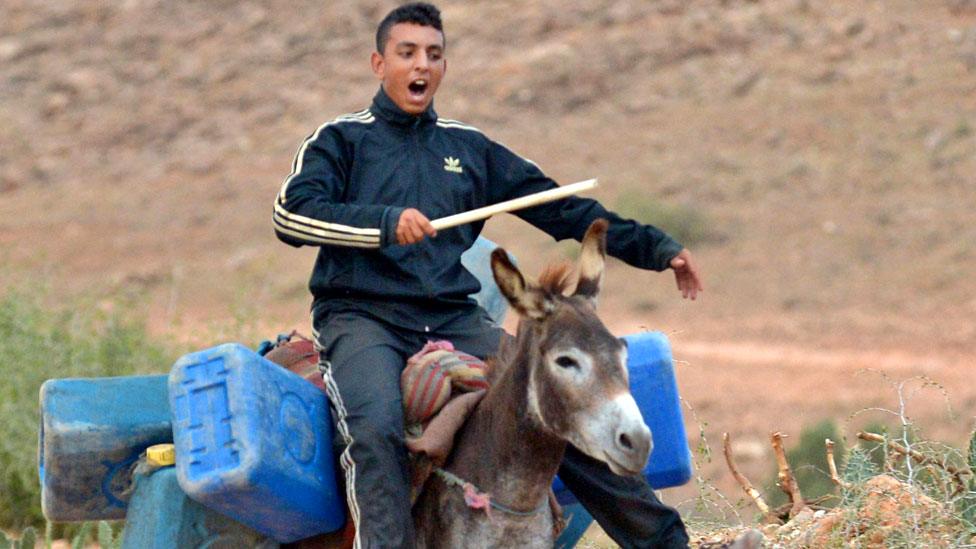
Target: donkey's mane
[555,278]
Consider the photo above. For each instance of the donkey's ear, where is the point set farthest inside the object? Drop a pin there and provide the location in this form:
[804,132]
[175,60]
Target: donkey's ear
[525,298]
[592,260]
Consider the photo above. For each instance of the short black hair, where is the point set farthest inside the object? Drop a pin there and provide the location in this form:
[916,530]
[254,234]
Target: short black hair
[420,13]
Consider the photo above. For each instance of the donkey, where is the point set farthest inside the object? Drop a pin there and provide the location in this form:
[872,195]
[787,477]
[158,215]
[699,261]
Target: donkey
[564,380]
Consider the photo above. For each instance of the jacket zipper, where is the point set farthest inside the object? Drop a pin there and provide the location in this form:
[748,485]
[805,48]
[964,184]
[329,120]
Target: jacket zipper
[421,199]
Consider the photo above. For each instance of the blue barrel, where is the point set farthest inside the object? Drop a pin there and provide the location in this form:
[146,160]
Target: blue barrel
[477,260]
[161,516]
[92,431]
[577,521]
[653,384]
[254,441]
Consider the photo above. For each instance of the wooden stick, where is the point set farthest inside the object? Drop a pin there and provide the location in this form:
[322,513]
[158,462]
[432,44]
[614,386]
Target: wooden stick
[787,482]
[920,458]
[514,204]
[741,479]
[832,465]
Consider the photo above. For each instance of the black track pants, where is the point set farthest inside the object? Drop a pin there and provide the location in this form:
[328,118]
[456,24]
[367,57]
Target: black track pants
[363,359]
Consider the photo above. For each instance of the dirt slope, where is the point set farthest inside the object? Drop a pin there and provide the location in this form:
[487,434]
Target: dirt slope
[821,158]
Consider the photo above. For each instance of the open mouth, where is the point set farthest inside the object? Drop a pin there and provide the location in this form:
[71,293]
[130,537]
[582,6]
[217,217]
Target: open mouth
[418,87]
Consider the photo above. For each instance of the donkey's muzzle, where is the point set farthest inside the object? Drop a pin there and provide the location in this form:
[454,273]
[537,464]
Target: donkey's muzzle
[625,441]
[632,447]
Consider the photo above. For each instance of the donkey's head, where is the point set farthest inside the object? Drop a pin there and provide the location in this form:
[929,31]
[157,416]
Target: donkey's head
[577,375]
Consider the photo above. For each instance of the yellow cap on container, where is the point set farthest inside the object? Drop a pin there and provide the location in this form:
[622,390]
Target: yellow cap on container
[161,455]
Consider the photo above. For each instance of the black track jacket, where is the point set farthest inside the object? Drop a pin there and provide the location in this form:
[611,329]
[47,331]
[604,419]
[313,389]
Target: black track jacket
[353,177]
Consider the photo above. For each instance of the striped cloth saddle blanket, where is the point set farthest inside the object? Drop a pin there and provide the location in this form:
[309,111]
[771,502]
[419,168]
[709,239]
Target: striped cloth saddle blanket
[441,387]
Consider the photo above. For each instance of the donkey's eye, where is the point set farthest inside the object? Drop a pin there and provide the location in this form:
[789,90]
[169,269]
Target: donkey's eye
[567,362]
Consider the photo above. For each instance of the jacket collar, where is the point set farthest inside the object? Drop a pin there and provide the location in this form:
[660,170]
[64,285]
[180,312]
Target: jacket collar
[385,108]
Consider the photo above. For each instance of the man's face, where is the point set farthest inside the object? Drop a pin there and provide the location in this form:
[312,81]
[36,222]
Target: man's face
[411,66]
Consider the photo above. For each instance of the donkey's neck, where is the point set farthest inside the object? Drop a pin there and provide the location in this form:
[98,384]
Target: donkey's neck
[502,450]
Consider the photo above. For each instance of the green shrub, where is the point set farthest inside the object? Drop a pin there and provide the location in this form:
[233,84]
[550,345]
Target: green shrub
[38,343]
[877,450]
[80,539]
[808,460]
[930,475]
[860,466]
[108,537]
[28,538]
[971,455]
[686,225]
[966,505]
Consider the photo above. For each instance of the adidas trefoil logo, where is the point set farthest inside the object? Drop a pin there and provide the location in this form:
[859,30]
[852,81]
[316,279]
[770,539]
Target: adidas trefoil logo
[452,164]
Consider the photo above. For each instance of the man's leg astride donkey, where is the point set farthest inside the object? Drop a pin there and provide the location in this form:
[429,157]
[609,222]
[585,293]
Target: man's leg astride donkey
[364,358]
[362,362]
[625,507]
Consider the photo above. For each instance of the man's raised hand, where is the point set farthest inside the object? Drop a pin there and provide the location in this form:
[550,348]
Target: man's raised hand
[413,226]
[686,274]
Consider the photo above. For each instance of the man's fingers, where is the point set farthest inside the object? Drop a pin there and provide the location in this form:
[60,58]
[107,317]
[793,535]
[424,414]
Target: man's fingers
[425,225]
[688,283]
[686,275]
[412,226]
[416,232]
[695,283]
[408,235]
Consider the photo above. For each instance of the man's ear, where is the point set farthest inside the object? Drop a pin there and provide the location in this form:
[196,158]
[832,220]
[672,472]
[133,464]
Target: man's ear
[378,64]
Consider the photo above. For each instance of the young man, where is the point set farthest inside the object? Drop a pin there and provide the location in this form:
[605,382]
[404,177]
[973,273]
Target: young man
[363,188]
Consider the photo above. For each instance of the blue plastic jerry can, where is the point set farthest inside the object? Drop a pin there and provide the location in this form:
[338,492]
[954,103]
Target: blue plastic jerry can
[578,520]
[655,388]
[92,432]
[161,516]
[477,260]
[254,441]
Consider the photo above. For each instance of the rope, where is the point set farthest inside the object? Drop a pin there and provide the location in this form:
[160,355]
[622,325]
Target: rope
[476,499]
[137,467]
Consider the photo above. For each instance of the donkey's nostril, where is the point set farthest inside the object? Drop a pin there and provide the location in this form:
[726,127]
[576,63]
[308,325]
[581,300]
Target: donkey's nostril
[625,441]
